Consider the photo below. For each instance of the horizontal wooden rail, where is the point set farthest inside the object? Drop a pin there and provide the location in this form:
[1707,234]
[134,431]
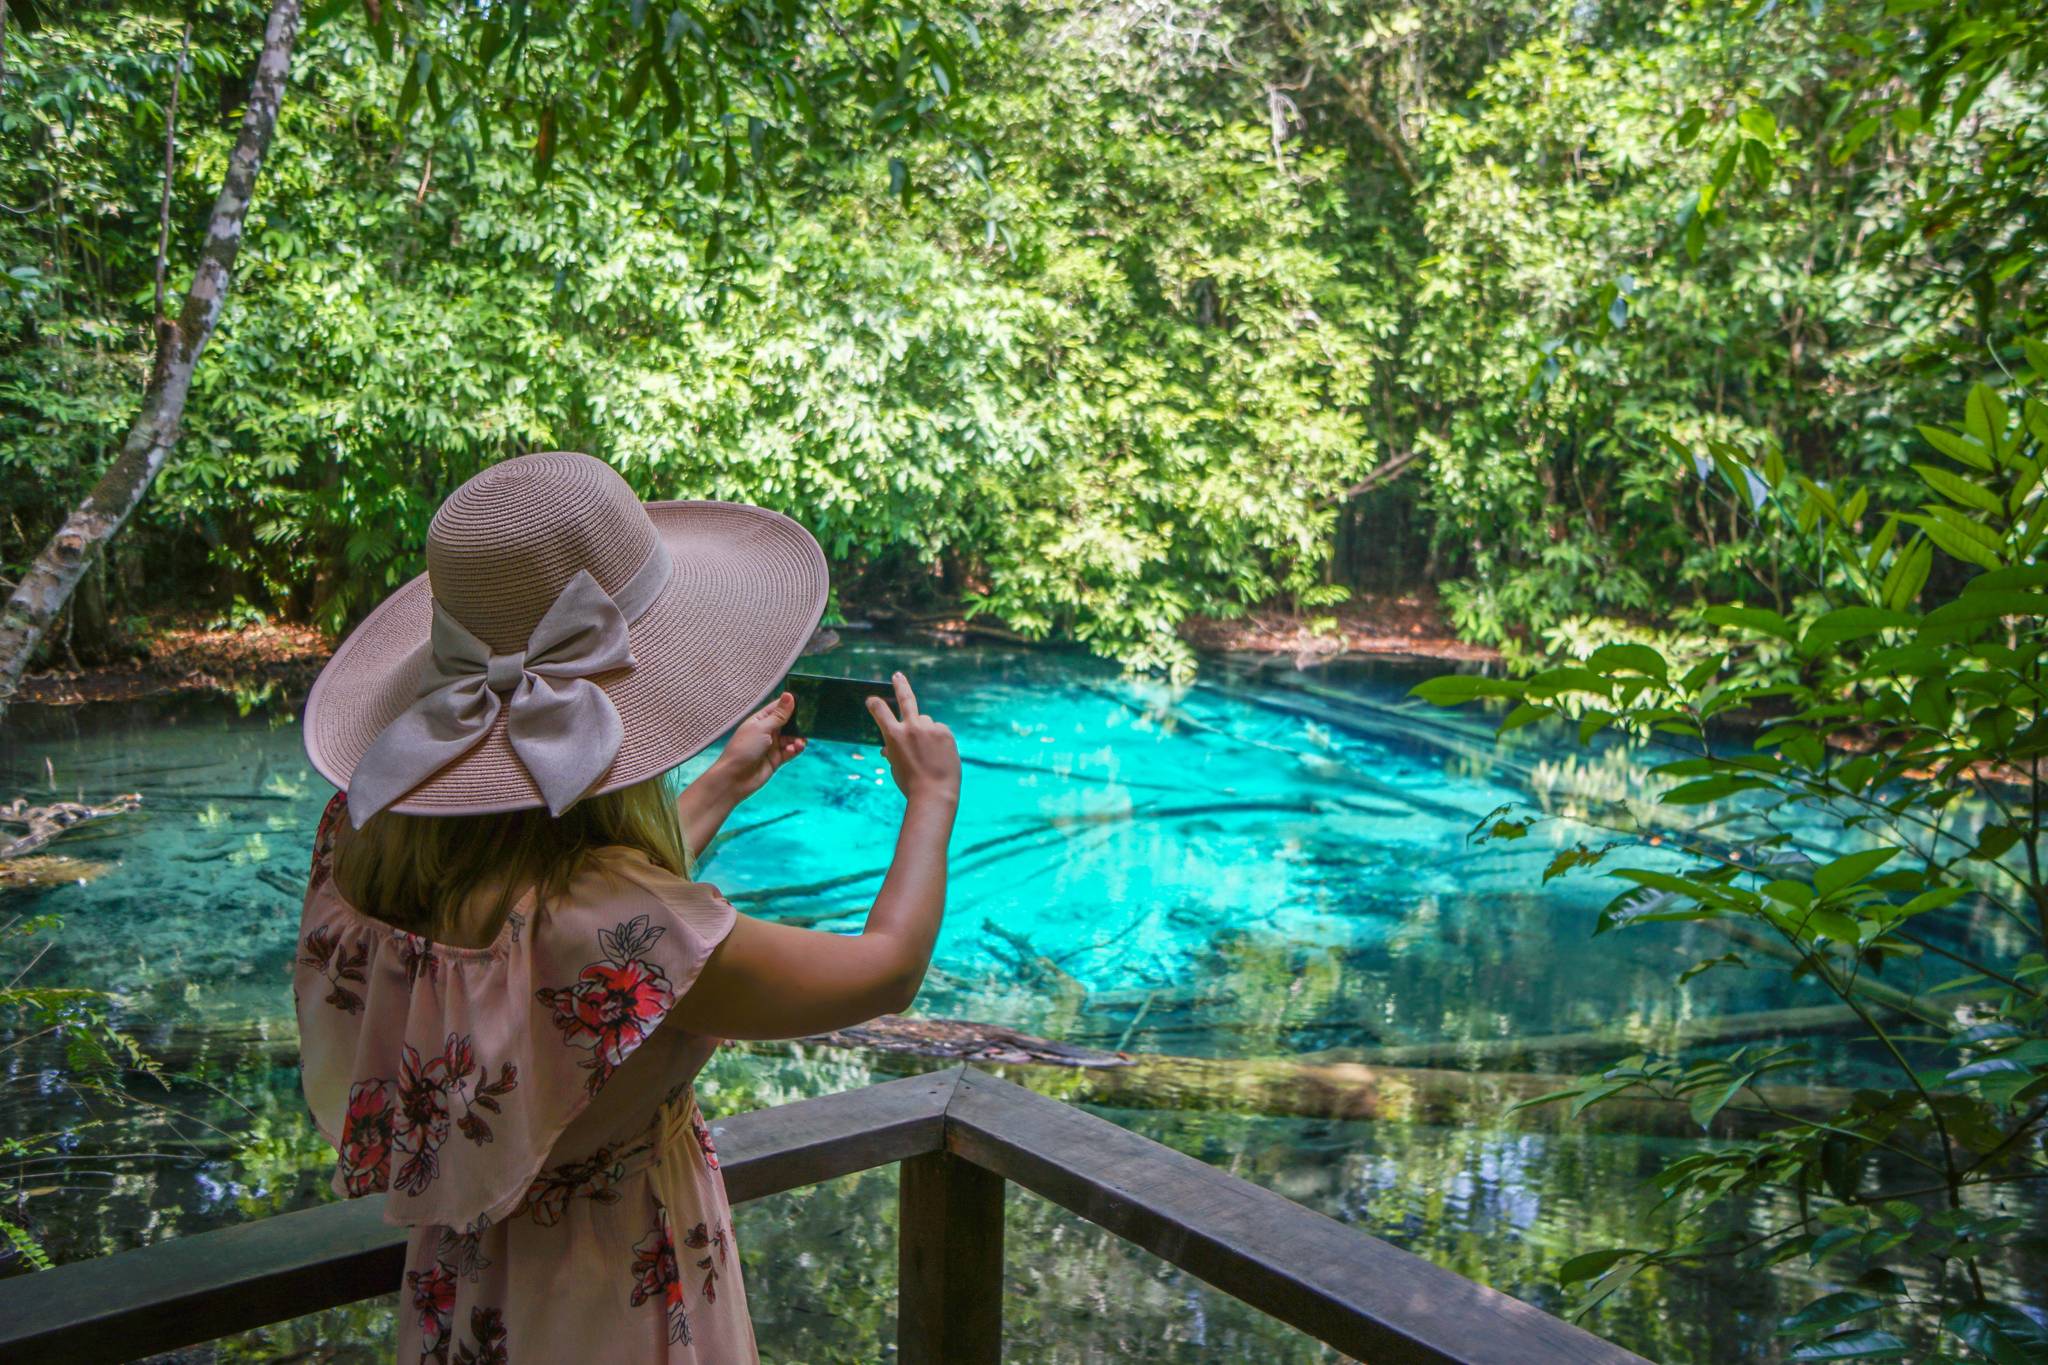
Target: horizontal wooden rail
[955,1129]
[1366,1297]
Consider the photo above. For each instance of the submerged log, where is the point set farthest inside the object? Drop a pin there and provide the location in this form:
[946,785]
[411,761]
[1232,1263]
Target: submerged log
[45,823]
[962,1040]
[1291,1087]
[1729,1028]
[49,870]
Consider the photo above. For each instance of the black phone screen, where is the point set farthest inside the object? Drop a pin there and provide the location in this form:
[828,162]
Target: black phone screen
[835,709]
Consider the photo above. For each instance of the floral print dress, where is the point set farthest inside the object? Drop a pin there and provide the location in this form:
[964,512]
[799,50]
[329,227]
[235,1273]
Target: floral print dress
[524,1109]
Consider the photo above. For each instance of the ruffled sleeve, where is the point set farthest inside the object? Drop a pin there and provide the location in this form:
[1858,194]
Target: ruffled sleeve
[444,1076]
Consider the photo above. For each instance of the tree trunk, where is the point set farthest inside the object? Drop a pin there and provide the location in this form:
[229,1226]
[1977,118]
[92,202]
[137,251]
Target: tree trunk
[49,582]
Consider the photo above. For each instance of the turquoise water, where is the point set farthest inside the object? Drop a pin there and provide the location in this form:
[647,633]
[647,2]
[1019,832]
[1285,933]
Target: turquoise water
[1273,882]
[1263,865]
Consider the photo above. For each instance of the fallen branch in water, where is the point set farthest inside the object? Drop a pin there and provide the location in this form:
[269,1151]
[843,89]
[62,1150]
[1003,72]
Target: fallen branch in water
[45,823]
[1290,1087]
[963,1040]
[1797,1022]
[49,870]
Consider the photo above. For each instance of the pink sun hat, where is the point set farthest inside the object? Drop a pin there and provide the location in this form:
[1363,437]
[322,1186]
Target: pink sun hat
[566,640]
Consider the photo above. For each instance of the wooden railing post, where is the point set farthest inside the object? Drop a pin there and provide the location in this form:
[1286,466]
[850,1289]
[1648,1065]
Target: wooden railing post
[949,1263]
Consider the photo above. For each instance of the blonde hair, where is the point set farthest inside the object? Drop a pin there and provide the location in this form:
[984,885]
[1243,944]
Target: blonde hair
[419,871]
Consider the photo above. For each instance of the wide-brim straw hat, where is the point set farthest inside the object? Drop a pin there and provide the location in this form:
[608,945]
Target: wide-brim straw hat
[491,648]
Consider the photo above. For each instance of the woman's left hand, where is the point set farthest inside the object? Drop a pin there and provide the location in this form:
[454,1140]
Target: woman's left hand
[757,749]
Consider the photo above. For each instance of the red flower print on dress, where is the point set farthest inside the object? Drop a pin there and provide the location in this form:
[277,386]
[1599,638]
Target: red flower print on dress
[487,1325]
[433,1299]
[615,1004]
[697,1239]
[655,1276]
[323,952]
[366,1139]
[703,1135]
[428,1089]
[422,1116]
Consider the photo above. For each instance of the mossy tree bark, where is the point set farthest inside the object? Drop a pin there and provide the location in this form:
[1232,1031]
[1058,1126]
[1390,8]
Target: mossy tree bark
[49,582]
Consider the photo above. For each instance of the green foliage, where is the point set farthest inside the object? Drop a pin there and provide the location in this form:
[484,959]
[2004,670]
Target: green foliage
[93,1058]
[1144,322]
[1913,716]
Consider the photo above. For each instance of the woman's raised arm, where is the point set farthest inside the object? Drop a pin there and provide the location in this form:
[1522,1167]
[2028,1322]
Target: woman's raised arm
[771,980]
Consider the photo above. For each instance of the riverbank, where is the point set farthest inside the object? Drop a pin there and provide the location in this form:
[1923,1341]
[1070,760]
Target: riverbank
[278,660]
[195,655]
[1411,624]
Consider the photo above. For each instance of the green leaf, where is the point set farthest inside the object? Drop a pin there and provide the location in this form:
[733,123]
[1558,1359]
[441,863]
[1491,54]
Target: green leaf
[1843,872]
[1851,623]
[1994,843]
[2001,1332]
[1710,789]
[1965,540]
[2001,580]
[1567,859]
[1868,1344]
[1454,688]
[1988,606]
[1702,672]
[1634,658]
[1928,900]
[1551,1098]
[1830,1311]
[1985,416]
[1751,619]
[1833,924]
[1961,449]
[1593,1264]
[1908,575]
[1958,489]
[1756,159]
[1710,1102]
[1724,960]
[2037,356]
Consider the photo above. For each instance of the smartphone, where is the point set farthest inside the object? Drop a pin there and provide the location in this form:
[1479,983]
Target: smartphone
[835,709]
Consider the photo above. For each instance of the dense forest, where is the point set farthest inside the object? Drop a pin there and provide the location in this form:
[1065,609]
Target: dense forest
[1188,308]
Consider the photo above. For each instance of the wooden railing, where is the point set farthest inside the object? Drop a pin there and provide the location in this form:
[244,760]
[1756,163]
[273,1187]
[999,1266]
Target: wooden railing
[960,1136]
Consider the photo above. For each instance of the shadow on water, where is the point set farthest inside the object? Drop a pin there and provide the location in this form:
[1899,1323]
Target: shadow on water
[1256,867]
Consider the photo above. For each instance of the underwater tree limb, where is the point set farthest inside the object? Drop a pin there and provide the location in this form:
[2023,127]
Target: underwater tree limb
[1287,1087]
[45,823]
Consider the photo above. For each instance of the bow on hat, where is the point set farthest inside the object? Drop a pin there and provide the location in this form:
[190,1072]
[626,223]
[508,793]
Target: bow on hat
[562,726]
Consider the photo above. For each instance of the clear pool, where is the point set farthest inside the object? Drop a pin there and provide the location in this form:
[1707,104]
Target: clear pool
[1258,866]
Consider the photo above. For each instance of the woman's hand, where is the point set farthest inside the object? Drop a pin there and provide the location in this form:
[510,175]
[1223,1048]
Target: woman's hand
[921,752]
[768,980]
[757,749]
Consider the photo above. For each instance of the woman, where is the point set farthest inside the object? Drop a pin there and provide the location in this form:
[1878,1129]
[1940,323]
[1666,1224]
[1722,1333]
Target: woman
[506,979]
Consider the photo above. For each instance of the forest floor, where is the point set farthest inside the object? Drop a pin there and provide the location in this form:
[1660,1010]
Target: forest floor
[193,654]
[1411,623]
